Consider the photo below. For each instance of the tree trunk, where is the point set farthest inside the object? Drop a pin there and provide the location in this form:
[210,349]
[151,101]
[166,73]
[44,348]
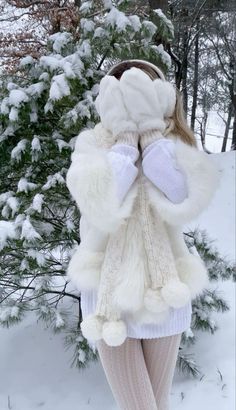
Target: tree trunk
[233,145]
[226,134]
[195,81]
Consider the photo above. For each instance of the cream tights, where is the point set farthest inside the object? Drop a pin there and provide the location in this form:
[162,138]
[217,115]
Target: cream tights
[140,371]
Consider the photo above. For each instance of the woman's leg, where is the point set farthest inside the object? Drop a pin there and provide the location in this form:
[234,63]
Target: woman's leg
[127,375]
[161,356]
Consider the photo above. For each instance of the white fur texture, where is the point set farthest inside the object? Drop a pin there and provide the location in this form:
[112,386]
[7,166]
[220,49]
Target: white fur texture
[203,179]
[84,268]
[111,108]
[91,327]
[114,332]
[135,102]
[154,301]
[91,183]
[141,100]
[167,96]
[175,293]
[192,271]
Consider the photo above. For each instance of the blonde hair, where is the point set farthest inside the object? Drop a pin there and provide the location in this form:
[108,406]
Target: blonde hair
[177,123]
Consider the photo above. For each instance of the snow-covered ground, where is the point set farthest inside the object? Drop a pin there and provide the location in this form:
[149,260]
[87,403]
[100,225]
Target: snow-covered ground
[35,370]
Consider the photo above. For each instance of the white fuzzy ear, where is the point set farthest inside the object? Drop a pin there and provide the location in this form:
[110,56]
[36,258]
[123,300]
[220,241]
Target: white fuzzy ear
[166,95]
[84,269]
[193,272]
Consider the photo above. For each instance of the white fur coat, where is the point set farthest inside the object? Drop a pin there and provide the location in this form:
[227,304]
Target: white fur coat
[120,233]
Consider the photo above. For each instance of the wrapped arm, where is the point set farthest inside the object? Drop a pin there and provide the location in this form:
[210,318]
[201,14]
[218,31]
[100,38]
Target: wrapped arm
[202,180]
[159,165]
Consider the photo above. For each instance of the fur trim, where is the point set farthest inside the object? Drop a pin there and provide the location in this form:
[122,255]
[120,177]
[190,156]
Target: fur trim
[203,179]
[114,332]
[193,272]
[154,301]
[175,293]
[84,268]
[91,183]
[91,327]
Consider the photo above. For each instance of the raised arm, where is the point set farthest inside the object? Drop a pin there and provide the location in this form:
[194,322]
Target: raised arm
[96,186]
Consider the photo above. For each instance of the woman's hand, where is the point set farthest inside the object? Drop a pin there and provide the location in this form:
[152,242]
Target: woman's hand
[160,167]
[111,107]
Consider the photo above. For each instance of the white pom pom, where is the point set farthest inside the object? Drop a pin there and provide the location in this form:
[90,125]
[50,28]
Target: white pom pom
[154,301]
[91,327]
[114,332]
[176,293]
[193,273]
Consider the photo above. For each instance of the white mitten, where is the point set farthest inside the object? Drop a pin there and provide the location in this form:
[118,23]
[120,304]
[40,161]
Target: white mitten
[122,157]
[111,108]
[147,101]
[160,167]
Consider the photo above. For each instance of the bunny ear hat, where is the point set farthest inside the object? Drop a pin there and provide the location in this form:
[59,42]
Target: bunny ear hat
[140,102]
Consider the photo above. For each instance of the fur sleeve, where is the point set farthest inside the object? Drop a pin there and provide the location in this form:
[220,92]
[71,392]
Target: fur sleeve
[91,183]
[203,179]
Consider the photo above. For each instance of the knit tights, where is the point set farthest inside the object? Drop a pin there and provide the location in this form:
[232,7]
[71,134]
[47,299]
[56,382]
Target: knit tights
[140,371]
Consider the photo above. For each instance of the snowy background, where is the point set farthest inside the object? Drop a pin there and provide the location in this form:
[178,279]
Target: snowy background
[35,370]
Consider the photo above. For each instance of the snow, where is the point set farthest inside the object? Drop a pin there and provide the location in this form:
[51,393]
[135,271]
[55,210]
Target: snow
[25,186]
[26,61]
[36,366]
[117,19]
[165,19]
[7,230]
[52,180]
[59,87]
[19,149]
[17,97]
[87,25]
[28,231]
[38,202]
[60,40]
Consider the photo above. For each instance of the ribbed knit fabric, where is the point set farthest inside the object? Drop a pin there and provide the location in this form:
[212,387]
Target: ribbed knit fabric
[148,137]
[128,137]
[178,321]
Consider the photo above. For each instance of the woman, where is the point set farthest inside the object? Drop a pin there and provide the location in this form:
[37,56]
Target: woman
[137,178]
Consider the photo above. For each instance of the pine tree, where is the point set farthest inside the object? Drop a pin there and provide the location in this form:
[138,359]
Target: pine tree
[209,301]
[43,108]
